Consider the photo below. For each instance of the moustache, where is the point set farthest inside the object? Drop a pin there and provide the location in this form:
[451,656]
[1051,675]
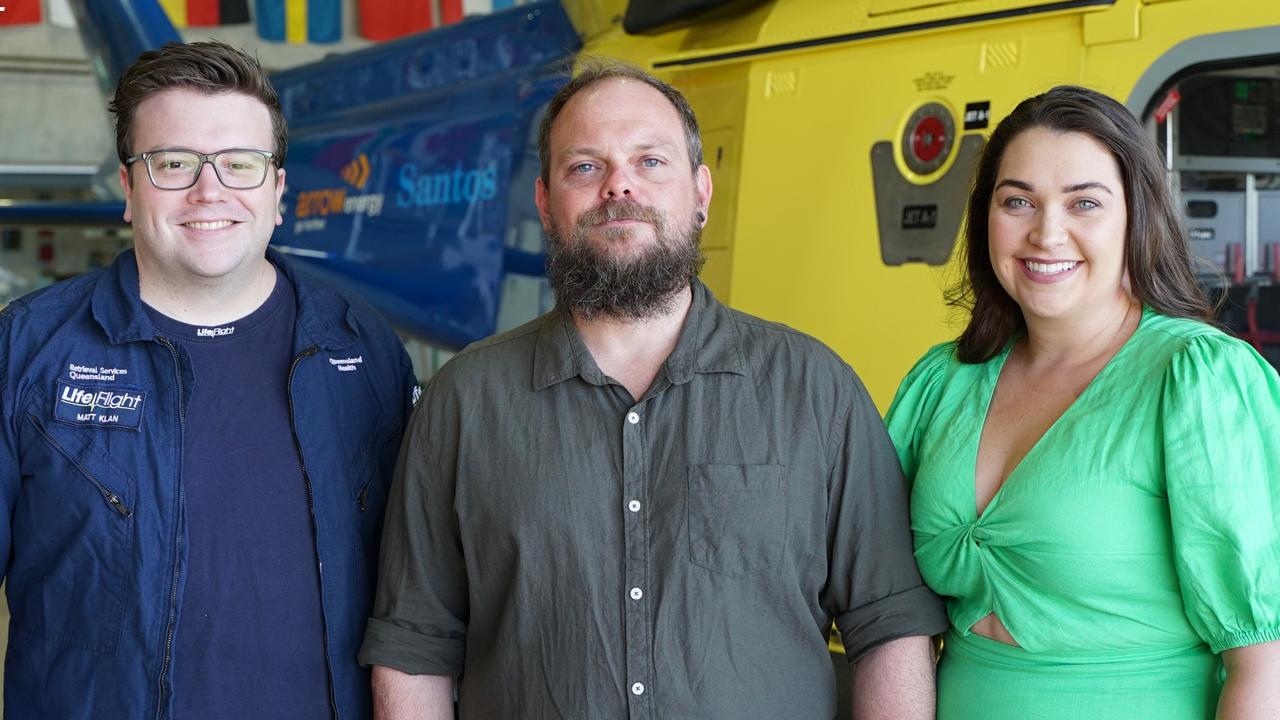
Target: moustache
[619,210]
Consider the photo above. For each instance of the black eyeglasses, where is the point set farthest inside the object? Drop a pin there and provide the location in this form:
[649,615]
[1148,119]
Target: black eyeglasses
[237,169]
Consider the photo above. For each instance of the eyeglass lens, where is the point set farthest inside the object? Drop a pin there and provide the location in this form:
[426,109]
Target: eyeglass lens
[177,169]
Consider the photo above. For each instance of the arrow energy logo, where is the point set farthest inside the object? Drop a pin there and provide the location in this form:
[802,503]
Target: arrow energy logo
[357,172]
[313,208]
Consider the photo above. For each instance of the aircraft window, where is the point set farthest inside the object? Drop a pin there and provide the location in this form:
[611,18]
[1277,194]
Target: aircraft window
[1230,115]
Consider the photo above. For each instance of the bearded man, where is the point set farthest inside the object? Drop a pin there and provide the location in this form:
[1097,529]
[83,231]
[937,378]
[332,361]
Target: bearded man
[644,504]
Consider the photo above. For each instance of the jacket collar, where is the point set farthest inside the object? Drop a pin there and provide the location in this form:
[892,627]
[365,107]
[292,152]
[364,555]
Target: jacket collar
[324,317]
[708,343]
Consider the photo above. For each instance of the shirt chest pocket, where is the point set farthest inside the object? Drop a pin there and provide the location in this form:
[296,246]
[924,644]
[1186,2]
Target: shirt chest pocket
[72,538]
[737,517]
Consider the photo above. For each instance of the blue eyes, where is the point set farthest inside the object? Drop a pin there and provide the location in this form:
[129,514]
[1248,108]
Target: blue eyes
[1017,202]
[583,168]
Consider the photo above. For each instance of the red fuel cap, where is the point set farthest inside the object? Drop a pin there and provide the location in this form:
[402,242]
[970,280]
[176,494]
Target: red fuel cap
[928,138]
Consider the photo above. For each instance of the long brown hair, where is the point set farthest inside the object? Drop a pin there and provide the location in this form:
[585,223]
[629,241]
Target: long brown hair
[1157,253]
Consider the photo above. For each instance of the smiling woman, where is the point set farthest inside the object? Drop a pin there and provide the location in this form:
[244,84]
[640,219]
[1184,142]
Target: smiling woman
[1092,464]
[1057,227]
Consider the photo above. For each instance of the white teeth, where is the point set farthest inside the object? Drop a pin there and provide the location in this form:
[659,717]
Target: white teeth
[1050,268]
[214,225]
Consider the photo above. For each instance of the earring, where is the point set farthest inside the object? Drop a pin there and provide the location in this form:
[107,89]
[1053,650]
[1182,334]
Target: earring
[701,217]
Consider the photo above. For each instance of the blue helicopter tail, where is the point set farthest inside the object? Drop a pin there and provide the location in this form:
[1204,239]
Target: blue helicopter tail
[116,32]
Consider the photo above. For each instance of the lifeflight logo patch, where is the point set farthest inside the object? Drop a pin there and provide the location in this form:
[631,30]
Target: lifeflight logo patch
[100,405]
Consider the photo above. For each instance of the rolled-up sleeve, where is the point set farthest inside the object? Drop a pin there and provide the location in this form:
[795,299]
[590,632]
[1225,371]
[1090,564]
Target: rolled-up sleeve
[874,590]
[420,612]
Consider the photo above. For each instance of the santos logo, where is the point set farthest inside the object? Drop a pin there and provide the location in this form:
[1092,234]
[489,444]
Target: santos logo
[107,399]
[419,189]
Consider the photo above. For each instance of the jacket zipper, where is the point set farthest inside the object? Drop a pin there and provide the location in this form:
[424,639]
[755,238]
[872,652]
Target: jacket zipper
[112,499]
[315,528]
[177,555]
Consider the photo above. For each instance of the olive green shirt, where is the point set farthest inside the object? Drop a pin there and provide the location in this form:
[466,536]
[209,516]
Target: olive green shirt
[574,553]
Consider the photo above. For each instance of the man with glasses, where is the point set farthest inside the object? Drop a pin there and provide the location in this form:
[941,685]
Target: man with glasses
[192,490]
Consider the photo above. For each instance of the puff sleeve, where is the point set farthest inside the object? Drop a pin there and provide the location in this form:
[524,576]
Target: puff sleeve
[1221,433]
[914,404]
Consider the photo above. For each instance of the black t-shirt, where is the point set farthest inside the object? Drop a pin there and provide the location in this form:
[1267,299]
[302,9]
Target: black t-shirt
[249,637]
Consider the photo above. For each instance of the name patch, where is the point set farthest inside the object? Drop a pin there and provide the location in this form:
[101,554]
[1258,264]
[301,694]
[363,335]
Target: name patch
[347,364]
[100,405]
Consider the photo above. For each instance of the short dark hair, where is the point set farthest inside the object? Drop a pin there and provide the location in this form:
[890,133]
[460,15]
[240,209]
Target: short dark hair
[597,70]
[1157,254]
[209,67]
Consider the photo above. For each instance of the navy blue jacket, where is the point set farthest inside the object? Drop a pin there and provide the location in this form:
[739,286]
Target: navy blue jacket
[91,533]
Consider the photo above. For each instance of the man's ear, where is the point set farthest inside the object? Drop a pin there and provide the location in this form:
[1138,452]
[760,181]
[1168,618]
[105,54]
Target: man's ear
[703,187]
[540,199]
[126,184]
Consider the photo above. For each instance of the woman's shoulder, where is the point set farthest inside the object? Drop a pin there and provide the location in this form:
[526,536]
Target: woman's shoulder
[1194,351]
[917,400]
[1187,340]
[925,381]
[931,370]
[1178,331]
[939,359]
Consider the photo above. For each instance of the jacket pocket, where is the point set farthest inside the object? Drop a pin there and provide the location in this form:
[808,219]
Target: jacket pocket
[363,470]
[72,545]
[370,469]
[737,517]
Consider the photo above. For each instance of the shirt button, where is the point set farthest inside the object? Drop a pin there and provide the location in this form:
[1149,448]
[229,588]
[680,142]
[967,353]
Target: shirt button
[637,688]
[634,506]
[636,593]
[633,418]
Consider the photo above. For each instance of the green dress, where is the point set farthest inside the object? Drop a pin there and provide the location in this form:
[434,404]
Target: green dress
[1134,543]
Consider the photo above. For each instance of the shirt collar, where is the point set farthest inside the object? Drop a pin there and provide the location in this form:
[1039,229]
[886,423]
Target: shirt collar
[708,343]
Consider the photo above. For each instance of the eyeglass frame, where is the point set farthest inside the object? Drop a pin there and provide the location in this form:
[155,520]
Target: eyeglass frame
[204,158]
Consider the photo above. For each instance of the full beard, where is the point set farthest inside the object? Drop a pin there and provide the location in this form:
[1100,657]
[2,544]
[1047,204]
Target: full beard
[593,283]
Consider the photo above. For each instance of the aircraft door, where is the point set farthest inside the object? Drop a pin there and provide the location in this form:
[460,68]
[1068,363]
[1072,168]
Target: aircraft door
[1216,123]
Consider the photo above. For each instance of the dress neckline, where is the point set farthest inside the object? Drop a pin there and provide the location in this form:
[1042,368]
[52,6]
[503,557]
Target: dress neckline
[991,378]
